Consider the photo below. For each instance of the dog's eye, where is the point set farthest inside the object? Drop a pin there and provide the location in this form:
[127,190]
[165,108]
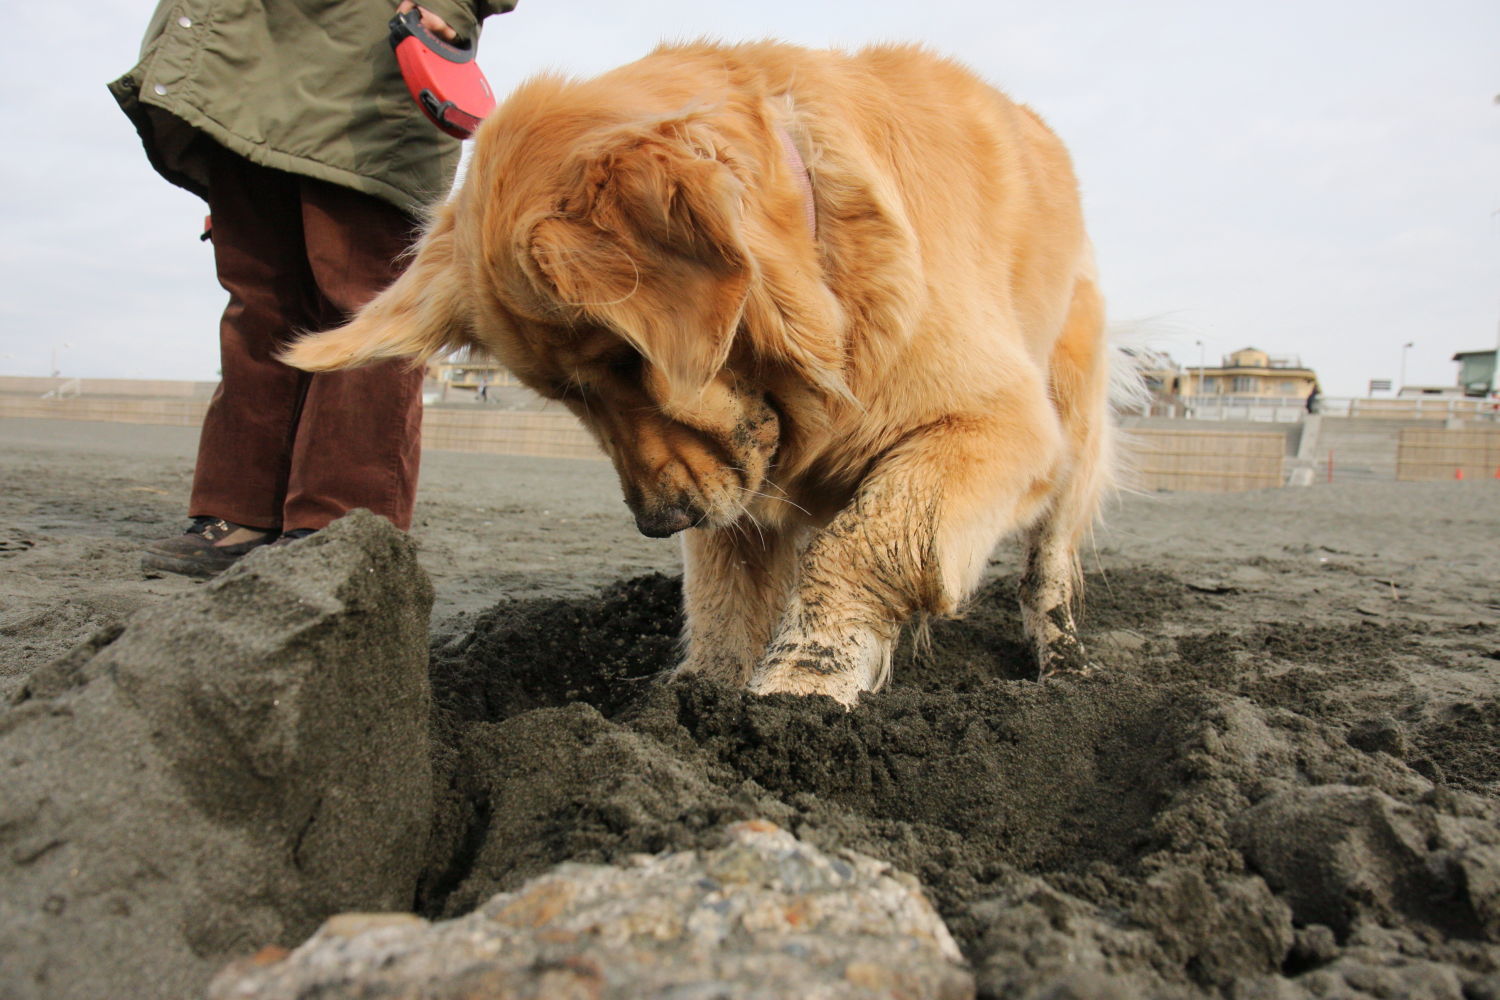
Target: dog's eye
[626,364]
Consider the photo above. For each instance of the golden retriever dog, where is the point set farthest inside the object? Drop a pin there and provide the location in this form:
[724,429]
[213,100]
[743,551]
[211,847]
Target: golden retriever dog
[833,317]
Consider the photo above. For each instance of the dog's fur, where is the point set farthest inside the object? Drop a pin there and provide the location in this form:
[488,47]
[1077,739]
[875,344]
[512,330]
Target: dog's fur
[847,419]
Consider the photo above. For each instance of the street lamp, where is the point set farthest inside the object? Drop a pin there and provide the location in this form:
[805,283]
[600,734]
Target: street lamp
[1404,348]
[1201,365]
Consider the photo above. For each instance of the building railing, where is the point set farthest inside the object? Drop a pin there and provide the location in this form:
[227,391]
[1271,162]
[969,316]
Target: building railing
[1412,408]
[1290,409]
[1269,409]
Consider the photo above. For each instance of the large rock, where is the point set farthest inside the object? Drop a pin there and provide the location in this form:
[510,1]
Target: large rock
[763,916]
[222,772]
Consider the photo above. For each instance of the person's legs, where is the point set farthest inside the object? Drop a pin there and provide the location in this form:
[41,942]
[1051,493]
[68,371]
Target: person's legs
[245,444]
[358,440]
[245,447]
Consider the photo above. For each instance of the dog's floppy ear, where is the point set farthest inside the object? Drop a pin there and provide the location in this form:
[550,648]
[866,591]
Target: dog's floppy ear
[649,241]
[423,313]
[674,181]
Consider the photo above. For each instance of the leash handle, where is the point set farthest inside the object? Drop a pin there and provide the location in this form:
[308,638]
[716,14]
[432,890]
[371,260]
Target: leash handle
[409,25]
[442,78]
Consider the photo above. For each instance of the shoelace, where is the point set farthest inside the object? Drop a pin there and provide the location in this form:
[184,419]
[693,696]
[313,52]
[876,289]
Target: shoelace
[211,528]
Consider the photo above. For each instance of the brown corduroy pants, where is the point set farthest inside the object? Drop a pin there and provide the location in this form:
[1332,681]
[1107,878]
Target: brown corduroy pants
[282,448]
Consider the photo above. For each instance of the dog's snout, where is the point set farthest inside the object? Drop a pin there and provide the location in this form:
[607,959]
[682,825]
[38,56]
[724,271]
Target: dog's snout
[663,522]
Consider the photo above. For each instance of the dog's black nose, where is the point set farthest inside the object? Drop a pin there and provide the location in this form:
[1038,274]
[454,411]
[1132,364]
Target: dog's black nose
[663,522]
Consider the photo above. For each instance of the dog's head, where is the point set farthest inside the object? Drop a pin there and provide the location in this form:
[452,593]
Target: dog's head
[627,285]
[628,267]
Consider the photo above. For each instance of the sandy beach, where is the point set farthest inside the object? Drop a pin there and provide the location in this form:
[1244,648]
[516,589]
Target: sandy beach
[80,498]
[1285,784]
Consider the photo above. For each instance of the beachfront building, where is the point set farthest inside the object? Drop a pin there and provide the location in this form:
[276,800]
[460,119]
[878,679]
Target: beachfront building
[1476,372]
[1249,375]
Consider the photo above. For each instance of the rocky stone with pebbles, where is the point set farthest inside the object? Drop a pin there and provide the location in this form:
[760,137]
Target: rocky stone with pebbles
[763,916]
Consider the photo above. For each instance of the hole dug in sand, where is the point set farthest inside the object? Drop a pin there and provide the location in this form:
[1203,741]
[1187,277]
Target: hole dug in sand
[1114,835]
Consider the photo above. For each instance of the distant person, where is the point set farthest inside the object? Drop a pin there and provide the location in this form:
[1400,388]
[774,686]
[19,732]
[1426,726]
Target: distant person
[292,121]
[1312,400]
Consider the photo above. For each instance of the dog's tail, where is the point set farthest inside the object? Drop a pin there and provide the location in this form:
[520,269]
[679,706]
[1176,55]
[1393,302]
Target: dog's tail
[1137,349]
[424,312]
[1129,394]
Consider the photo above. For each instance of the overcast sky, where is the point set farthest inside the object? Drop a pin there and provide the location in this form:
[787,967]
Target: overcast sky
[1315,178]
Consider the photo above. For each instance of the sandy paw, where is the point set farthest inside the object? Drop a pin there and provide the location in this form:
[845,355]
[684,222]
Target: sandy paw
[783,679]
[808,666]
[723,669]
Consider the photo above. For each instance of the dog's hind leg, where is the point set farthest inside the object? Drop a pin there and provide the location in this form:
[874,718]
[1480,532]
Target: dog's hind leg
[736,580]
[1048,591]
[1051,582]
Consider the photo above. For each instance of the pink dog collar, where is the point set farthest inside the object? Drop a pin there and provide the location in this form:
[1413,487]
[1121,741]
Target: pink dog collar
[799,171]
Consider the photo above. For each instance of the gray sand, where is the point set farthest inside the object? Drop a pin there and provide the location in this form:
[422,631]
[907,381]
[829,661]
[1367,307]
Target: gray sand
[80,498]
[1285,785]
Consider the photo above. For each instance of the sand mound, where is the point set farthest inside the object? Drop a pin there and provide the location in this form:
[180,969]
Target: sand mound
[218,773]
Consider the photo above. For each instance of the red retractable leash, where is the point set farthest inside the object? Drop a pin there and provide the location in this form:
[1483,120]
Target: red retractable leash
[443,78]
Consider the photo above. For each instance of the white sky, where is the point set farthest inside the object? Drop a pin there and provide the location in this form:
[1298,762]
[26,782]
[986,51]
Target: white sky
[1312,178]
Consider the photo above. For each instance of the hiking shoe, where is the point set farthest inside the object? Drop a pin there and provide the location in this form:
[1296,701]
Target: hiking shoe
[288,537]
[209,546]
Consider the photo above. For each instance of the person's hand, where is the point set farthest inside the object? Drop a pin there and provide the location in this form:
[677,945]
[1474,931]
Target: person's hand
[430,21]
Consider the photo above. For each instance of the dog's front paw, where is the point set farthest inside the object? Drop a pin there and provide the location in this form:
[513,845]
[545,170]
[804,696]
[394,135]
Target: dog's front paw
[803,676]
[711,665]
[841,669]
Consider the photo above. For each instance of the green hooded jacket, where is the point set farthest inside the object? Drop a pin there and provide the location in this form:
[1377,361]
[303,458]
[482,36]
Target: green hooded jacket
[304,86]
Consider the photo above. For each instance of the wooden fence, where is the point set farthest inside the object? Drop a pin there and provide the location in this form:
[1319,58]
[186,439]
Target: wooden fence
[1203,461]
[36,387]
[1157,459]
[549,433]
[1429,454]
[176,412]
